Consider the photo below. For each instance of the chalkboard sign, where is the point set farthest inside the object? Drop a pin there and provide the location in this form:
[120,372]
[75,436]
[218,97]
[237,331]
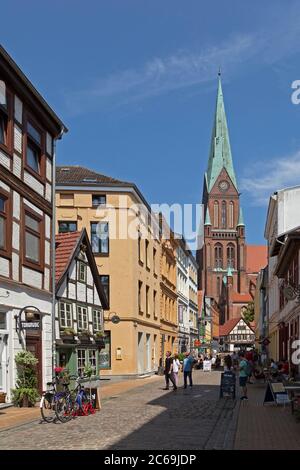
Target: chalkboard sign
[276,393]
[228,383]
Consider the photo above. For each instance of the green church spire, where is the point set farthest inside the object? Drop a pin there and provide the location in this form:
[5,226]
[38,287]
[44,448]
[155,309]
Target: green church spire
[220,152]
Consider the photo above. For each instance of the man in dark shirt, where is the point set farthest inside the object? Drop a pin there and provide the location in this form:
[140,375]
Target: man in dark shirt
[168,371]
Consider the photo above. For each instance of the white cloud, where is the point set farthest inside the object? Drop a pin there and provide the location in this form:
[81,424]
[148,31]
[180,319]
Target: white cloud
[161,75]
[277,40]
[271,176]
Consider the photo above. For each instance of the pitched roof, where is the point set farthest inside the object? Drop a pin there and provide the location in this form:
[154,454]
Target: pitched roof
[220,151]
[65,246]
[76,174]
[224,330]
[257,258]
[4,56]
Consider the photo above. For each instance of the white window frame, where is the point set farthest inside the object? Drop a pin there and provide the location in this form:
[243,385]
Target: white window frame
[82,324]
[80,265]
[68,322]
[97,321]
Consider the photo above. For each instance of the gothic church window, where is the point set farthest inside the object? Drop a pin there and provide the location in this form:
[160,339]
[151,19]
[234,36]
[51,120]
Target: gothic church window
[230,256]
[216,214]
[218,256]
[224,215]
[231,214]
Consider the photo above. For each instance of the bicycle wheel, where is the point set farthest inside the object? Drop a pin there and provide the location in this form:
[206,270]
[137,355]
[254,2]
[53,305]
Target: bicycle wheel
[64,408]
[47,407]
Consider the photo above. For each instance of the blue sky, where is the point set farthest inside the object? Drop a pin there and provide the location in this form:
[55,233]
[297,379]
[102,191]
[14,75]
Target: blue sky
[135,81]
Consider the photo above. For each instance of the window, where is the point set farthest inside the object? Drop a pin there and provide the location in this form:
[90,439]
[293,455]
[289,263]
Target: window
[100,237]
[140,286]
[4,116]
[154,303]
[4,237]
[64,227]
[99,200]
[81,272]
[231,214]
[180,313]
[65,315]
[216,214]
[147,254]
[3,127]
[2,321]
[82,318]
[92,358]
[104,279]
[97,320]
[32,238]
[34,148]
[154,260]
[230,256]
[147,300]
[86,357]
[218,256]
[224,215]
[105,354]
[140,247]
[81,361]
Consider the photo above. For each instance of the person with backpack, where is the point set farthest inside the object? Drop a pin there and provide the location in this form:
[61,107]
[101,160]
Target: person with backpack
[243,375]
[188,363]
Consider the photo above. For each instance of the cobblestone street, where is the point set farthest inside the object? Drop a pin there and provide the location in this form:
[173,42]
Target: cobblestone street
[146,417]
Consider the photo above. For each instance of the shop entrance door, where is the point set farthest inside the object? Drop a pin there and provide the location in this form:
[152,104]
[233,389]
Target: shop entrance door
[3,362]
[34,345]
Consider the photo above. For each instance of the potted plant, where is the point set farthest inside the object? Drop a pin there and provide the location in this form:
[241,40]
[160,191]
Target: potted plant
[25,393]
[67,334]
[99,339]
[84,336]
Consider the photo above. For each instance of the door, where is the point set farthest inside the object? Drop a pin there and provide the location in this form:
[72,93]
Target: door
[3,362]
[34,346]
[148,353]
[140,353]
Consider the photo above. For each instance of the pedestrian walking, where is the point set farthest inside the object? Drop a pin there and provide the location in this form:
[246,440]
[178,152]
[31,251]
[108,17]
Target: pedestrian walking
[187,369]
[175,368]
[169,371]
[243,375]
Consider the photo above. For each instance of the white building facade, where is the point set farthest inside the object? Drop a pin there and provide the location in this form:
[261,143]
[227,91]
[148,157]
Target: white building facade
[182,266]
[283,217]
[28,129]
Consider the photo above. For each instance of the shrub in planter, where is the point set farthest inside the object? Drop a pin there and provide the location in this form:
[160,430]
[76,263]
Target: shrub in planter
[25,393]
[67,332]
[99,339]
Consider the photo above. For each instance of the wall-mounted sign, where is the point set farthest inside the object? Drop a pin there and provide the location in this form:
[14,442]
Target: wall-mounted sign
[30,325]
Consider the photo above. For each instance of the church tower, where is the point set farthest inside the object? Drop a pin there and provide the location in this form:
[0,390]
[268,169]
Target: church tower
[224,249]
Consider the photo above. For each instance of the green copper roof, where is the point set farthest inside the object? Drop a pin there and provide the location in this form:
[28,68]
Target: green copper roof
[241,218]
[220,152]
[229,271]
[207,218]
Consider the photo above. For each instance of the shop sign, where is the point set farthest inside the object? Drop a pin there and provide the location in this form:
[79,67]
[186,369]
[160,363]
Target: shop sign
[30,325]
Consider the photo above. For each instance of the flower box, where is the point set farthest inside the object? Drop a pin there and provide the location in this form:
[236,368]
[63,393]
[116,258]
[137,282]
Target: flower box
[2,397]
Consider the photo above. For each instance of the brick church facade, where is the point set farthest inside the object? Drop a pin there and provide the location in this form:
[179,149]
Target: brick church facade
[228,266]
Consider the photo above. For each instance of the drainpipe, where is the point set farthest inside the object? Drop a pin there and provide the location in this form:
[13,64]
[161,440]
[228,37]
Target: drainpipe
[53,249]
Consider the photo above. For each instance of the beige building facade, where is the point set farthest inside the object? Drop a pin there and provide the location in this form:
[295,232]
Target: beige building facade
[127,252]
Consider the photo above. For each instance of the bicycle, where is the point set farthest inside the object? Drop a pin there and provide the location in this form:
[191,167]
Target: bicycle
[49,399]
[83,405]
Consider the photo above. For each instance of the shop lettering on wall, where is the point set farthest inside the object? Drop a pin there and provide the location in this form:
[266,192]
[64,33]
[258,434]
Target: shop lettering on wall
[30,325]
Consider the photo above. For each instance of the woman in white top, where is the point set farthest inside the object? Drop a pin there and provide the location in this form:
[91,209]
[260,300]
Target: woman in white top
[175,368]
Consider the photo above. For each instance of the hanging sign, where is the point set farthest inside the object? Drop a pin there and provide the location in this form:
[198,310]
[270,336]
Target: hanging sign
[30,325]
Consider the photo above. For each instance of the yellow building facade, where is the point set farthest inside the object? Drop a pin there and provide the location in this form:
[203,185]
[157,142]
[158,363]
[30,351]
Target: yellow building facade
[168,313]
[127,254]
